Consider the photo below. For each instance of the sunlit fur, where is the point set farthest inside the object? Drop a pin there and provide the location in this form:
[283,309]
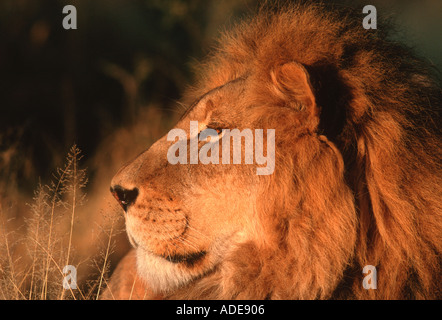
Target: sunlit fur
[358,165]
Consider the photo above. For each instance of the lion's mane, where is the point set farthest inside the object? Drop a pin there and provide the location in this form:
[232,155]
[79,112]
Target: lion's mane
[379,108]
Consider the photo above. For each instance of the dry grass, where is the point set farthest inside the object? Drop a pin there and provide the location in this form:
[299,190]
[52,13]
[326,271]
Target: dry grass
[32,260]
[62,225]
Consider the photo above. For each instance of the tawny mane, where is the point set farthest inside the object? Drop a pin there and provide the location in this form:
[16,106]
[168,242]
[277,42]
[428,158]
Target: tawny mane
[379,105]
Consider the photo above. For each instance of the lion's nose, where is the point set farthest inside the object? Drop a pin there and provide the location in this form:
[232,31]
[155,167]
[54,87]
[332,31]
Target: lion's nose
[124,196]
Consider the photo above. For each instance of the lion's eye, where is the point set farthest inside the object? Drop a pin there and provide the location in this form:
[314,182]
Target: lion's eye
[218,130]
[215,126]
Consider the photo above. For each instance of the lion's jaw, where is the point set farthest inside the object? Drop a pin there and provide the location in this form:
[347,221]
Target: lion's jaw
[164,276]
[174,247]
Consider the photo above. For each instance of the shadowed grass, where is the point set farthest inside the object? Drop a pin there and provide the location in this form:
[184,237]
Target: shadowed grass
[32,261]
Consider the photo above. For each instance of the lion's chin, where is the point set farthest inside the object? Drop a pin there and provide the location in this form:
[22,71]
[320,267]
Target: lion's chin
[163,274]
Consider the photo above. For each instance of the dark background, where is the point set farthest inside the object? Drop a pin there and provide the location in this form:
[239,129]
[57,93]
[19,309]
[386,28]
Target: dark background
[59,87]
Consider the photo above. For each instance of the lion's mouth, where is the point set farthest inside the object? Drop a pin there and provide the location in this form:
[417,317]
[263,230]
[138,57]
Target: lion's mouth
[189,259]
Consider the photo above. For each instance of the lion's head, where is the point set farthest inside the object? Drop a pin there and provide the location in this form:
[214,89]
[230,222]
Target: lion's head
[356,179]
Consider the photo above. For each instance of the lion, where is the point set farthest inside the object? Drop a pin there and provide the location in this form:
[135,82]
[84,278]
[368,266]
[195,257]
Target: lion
[357,179]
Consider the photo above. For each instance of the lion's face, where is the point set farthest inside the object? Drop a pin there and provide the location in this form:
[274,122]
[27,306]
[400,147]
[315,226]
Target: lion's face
[183,218]
[187,220]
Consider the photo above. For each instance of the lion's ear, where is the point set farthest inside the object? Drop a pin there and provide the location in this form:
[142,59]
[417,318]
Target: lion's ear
[291,83]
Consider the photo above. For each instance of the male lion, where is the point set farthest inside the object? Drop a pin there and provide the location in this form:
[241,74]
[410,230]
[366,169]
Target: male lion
[357,178]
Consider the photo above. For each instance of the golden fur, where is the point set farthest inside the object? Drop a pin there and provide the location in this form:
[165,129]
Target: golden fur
[357,179]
